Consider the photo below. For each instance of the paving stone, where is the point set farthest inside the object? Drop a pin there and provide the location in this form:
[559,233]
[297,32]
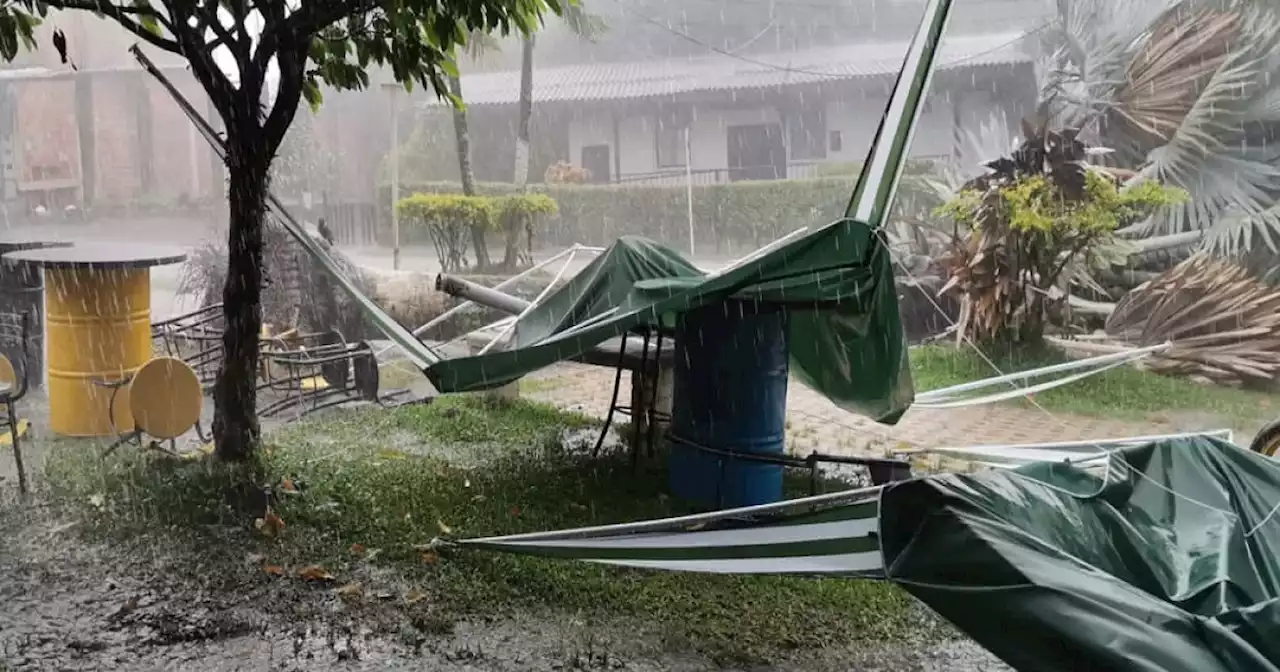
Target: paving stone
[816,424]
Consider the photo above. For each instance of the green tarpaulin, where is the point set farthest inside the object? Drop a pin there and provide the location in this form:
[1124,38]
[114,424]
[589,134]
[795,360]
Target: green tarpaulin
[837,284]
[1169,559]
[1165,558]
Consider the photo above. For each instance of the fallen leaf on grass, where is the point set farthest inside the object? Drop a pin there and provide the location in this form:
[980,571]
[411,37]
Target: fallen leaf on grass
[444,529]
[357,549]
[273,570]
[431,557]
[130,605]
[288,485]
[515,510]
[315,573]
[270,525]
[414,597]
[349,590]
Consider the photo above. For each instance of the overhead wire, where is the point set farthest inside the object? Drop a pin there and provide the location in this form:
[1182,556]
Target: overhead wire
[814,73]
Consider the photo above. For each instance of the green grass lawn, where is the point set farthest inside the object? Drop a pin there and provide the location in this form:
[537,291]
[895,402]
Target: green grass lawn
[376,486]
[1124,392]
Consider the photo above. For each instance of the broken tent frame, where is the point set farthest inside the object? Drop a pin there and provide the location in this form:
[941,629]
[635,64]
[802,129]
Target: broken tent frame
[847,340]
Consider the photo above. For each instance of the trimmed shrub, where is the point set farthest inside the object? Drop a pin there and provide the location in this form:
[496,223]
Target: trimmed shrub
[725,216]
[451,222]
[447,220]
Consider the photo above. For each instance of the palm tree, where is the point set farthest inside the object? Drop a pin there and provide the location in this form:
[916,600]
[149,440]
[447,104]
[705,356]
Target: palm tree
[582,24]
[1182,90]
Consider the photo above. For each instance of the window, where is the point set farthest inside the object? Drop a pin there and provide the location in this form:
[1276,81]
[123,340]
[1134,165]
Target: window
[671,146]
[836,143]
[806,133]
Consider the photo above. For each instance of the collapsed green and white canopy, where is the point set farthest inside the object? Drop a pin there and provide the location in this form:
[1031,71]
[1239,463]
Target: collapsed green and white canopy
[1164,556]
[832,535]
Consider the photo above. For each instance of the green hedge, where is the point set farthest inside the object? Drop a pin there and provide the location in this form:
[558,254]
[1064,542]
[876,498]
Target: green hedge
[726,216]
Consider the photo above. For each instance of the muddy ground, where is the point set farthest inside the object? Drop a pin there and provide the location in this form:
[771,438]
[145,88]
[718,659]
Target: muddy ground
[74,604]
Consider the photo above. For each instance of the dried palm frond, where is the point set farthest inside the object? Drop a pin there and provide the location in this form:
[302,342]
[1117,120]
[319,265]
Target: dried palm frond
[1184,90]
[1223,322]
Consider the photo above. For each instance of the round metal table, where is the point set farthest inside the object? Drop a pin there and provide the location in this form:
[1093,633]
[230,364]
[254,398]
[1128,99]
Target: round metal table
[98,311]
[22,291]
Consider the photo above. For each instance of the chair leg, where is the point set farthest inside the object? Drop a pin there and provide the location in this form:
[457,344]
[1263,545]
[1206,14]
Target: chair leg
[17,450]
[135,435]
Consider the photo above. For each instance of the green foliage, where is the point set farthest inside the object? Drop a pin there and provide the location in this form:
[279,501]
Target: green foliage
[447,220]
[526,206]
[726,216]
[1031,229]
[518,214]
[1035,205]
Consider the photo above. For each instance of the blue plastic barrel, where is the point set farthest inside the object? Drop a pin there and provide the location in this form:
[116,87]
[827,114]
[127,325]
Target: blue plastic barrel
[729,394]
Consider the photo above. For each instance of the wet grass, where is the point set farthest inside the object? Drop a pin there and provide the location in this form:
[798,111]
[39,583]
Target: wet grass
[1123,393]
[375,487]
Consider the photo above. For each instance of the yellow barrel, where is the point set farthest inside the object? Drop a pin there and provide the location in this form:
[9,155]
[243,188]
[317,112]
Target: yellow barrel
[99,330]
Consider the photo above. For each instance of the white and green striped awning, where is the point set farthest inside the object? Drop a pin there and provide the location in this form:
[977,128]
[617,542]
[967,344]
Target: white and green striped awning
[830,535]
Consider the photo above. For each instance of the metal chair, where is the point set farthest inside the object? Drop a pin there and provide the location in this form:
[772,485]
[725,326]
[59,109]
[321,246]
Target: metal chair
[15,329]
[312,372]
[165,401]
[195,338]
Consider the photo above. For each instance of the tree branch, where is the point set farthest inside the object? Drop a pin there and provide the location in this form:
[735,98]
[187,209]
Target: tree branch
[288,96]
[123,16]
[210,76]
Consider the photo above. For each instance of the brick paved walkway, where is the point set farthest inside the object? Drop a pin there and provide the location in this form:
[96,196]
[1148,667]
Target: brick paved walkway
[813,423]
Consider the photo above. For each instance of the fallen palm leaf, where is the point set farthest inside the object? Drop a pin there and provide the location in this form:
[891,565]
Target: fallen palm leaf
[269,525]
[1223,323]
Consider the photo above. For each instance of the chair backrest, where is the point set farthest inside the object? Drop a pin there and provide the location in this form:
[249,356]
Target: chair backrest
[166,398]
[15,330]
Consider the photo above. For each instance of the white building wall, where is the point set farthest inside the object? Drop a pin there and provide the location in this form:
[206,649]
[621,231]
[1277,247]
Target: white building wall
[709,133]
[588,130]
[854,118]
[636,135]
[857,119]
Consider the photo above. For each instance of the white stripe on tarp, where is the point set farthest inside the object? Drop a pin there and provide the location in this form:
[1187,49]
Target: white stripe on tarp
[836,499]
[748,536]
[843,563]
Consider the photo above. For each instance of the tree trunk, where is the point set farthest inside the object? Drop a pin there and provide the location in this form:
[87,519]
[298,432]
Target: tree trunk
[526,113]
[235,427]
[464,170]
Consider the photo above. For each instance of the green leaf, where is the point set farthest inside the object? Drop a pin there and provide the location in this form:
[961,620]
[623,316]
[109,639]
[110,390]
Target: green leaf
[312,94]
